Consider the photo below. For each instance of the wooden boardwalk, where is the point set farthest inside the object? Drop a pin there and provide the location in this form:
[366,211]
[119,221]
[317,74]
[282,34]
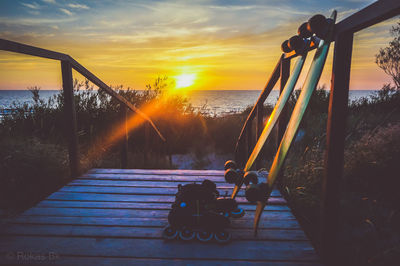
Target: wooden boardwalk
[115,217]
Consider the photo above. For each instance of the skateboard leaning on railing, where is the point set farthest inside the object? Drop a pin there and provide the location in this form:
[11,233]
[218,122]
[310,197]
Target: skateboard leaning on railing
[318,32]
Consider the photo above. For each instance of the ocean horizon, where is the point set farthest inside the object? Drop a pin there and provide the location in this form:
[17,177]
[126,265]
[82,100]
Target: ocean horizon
[214,102]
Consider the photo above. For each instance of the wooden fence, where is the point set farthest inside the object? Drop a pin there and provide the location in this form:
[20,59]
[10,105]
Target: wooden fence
[67,64]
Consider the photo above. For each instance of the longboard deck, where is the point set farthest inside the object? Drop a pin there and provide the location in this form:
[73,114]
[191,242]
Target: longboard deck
[309,86]
[273,118]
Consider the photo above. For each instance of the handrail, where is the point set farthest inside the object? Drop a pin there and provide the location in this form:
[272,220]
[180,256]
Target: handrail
[260,101]
[16,47]
[368,16]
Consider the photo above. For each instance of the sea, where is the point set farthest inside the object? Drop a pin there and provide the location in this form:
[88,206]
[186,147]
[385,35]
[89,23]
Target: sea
[211,102]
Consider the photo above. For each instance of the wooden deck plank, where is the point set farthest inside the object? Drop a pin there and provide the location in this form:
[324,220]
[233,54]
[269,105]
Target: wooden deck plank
[69,260]
[138,232]
[134,205]
[85,212]
[169,177]
[135,198]
[156,248]
[139,190]
[165,178]
[157,172]
[136,183]
[117,215]
[140,222]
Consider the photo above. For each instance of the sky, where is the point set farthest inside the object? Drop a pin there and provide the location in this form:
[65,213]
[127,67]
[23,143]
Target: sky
[217,44]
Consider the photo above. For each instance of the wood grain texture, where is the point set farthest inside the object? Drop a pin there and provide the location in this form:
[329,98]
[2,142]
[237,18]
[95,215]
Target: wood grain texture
[119,220]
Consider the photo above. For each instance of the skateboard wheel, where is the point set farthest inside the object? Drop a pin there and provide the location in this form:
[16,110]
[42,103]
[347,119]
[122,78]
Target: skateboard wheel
[296,43]
[170,233]
[250,177]
[187,234]
[252,193]
[204,236]
[317,24]
[237,213]
[303,31]
[230,164]
[285,47]
[223,237]
[231,176]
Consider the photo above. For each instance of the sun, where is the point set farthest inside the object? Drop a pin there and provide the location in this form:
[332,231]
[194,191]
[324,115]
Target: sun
[184,80]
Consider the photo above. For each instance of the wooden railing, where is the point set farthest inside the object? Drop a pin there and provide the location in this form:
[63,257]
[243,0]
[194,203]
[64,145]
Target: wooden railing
[67,64]
[337,115]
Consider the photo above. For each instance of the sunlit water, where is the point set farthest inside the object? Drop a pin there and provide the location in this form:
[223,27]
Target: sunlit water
[215,102]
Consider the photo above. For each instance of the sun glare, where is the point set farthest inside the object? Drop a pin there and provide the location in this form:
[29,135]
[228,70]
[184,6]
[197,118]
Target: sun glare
[184,80]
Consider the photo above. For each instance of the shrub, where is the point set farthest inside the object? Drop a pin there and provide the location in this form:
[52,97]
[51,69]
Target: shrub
[30,170]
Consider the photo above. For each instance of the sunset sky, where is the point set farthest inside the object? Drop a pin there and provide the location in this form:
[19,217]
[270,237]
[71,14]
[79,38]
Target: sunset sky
[229,45]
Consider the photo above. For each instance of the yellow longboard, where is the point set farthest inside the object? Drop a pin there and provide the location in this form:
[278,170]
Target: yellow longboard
[308,88]
[273,118]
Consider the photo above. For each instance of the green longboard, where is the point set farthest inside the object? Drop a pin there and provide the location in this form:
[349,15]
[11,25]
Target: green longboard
[273,118]
[309,86]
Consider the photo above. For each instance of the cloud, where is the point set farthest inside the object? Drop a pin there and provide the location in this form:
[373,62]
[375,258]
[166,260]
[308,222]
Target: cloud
[66,11]
[49,1]
[33,5]
[10,21]
[78,6]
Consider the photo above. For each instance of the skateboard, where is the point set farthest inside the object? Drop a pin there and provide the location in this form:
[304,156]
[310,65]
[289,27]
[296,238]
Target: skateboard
[317,32]
[322,28]
[234,176]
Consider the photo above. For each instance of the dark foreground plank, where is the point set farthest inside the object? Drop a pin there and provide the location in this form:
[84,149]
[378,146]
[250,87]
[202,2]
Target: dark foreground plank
[140,190]
[134,205]
[138,232]
[155,248]
[126,213]
[111,261]
[135,198]
[145,222]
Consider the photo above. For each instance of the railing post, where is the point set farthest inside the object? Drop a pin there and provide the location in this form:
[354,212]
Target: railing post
[334,156]
[146,142]
[249,140]
[70,116]
[282,123]
[259,128]
[125,137]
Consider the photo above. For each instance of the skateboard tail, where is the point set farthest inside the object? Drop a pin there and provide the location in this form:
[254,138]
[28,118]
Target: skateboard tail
[235,190]
[260,207]
[309,86]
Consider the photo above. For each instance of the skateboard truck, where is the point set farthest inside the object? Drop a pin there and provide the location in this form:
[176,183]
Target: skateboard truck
[316,28]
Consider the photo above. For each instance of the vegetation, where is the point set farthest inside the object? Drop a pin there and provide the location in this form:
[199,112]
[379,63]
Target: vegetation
[369,229]
[34,149]
[388,58]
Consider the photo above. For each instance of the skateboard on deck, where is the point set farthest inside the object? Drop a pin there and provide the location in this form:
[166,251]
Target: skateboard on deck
[317,31]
